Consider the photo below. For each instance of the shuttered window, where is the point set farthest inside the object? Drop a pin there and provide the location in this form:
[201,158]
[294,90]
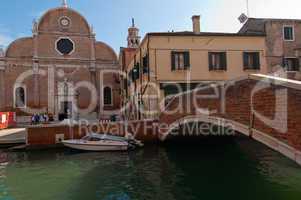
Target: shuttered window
[251,60]
[135,72]
[291,64]
[145,64]
[217,61]
[180,60]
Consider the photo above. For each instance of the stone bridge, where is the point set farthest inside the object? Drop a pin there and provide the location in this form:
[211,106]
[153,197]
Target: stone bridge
[265,108]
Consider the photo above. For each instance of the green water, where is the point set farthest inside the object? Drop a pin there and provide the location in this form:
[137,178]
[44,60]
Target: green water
[234,168]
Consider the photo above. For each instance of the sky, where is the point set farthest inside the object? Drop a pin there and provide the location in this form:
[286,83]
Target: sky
[111,18]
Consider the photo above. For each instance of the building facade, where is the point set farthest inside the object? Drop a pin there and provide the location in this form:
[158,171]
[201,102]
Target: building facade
[283,44]
[61,69]
[168,63]
[126,55]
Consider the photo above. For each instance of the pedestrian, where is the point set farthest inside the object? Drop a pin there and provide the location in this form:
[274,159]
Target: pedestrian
[32,120]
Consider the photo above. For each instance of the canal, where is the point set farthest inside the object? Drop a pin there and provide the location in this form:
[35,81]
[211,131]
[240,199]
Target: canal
[212,168]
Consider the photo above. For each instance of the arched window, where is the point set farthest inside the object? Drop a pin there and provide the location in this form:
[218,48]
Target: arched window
[20,97]
[107,96]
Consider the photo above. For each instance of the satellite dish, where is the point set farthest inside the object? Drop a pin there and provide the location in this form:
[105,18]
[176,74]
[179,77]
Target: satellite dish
[243,18]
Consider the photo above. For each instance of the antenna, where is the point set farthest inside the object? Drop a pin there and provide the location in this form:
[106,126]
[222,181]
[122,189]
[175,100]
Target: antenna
[248,8]
[244,17]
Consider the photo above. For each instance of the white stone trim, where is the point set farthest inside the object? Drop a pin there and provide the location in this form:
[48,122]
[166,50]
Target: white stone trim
[277,81]
[17,85]
[278,146]
[288,26]
[259,136]
[103,95]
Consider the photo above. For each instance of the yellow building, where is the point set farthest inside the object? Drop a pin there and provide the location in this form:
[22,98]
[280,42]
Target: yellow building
[167,63]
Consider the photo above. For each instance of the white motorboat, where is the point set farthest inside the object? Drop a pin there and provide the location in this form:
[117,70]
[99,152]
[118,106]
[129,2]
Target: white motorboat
[96,142]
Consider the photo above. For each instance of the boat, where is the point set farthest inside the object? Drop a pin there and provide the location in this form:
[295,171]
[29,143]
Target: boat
[102,142]
[96,143]
[129,138]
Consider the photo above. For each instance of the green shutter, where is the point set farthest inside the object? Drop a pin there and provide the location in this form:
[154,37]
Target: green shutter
[297,64]
[245,60]
[210,61]
[137,75]
[173,63]
[284,63]
[145,61]
[186,60]
[224,60]
[257,60]
[145,64]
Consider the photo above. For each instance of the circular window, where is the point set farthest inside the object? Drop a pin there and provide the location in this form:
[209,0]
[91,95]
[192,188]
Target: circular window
[64,22]
[65,46]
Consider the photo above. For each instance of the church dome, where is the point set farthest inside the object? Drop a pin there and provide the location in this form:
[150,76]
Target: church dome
[104,52]
[63,19]
[20,48]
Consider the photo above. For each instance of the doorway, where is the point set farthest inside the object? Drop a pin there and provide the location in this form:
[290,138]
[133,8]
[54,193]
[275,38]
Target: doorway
[66,110]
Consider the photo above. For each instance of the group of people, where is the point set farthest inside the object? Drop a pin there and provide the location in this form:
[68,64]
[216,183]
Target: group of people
[41,118]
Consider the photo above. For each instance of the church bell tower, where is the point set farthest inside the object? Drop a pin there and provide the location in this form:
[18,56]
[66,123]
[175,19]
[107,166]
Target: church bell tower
[133,36]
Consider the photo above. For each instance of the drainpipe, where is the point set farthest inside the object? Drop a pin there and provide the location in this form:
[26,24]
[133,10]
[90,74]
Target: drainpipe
[252,119]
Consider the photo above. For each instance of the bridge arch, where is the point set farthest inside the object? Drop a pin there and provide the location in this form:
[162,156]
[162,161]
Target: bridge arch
[229,127]
[248,106]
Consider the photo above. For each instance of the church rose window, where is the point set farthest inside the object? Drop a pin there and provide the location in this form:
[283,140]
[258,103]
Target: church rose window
[64,22]
[65,46]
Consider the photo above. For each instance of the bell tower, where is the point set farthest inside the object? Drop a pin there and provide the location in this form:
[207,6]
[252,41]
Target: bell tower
[133,36]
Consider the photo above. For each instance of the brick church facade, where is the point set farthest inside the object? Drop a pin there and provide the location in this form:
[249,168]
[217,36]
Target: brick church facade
[60,69]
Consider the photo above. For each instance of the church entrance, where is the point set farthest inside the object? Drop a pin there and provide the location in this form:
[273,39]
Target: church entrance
[66,110]
[65,101]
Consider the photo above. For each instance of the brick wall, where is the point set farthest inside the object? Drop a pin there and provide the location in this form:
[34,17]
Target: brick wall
[45,135]
[238,107]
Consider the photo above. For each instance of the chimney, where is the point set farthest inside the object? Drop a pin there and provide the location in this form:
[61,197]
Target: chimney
[196,24]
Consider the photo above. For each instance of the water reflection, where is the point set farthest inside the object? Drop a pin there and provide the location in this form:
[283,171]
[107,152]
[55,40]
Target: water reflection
[208,168]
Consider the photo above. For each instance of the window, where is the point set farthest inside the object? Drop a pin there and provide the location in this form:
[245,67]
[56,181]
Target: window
[291,64]
[217,61]
[65,46]
[20,97]
[251,60]
[180,61]
[107,96]
[288,33]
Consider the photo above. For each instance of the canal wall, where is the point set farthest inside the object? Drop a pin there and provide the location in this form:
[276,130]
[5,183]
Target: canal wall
[45,136]
[265,108]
